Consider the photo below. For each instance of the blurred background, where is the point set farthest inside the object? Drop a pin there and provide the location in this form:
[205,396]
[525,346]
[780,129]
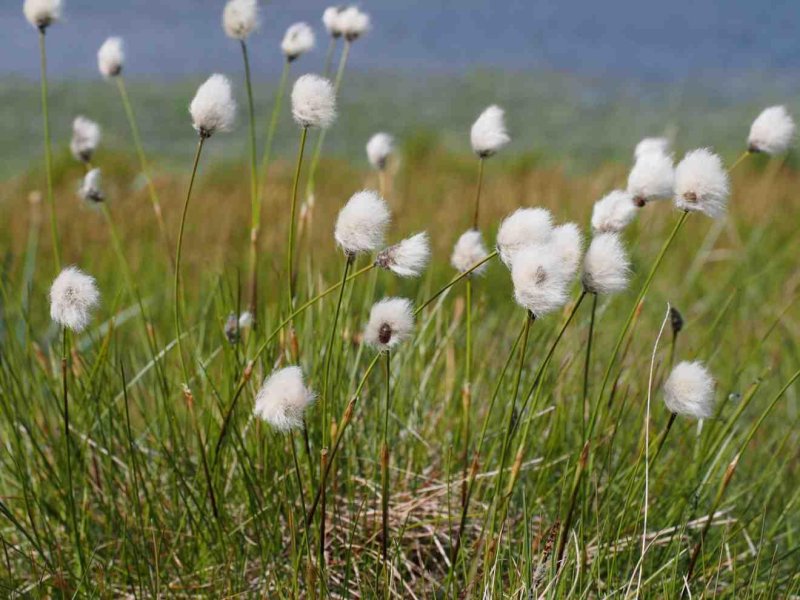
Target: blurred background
[581,80]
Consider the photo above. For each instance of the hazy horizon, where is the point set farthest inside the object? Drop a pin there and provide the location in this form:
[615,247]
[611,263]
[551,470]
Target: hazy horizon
[625,39]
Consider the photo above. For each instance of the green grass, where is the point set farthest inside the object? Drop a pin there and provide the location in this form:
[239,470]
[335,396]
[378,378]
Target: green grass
[145,521]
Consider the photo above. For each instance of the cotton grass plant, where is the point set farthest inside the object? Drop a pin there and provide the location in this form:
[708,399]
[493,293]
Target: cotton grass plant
[132,471]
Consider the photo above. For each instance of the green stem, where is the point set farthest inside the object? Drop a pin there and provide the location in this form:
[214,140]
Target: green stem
[143,165]
[384,458]
[466,392]
[329,57]
[623,332]
[48,151]
[255,203]
[273,120]
[510,425]
[329,352]
[478,194]
[586,366]
[454,281]
[176,289]
[70,491]
[290,249]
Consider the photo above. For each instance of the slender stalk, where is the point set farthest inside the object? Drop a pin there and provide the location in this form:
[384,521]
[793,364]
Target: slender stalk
[48,151]
[176,289]
[297,472]
[329,56]
[255,200]
[739,160]
[454,281]
[384,458]
[466,392]
[277,103]
[586,367]
[290,248]
[70,491]
[143,165]
[512,417]
[623,332]
[473,472]
[329,353]
[475,216]
[323,468]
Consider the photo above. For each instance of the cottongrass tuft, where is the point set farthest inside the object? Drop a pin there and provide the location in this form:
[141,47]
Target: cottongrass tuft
[606,267]
[73,297]
[689,390]
[523,227]
[407,258]
[111,57]
[391,321]
[361,224]
[283,399]
[567,243]
[91,187]
[613,212]
[42,13]
[468,251]
[772,132]
[240,18]
[86,136]
[651,178]
[649,145]
[488,134]
[330,19]
[313,102]
[213,108]
[701,183]
[379,147]
[353,23]
[541,279]
[298,39]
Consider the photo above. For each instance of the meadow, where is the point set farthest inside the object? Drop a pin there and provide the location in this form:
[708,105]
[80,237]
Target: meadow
[495,452]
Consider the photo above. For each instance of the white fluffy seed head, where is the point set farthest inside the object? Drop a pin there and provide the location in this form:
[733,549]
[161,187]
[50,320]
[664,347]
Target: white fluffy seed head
[42,13]
[613,212]
[91,189]
[298,39]
[651,178]
[689,390]
[391,321]
[649,145]
[73,297]
[701,183]
[246,320]
[606,268]
[408,258]
[567,242]
[353,23]
[85,138]
[379,147]
[111,57]
[468,251]
[313,102]
[330,19]
[361,224]
[240,18]
[488,133]
[523,227]
[772,132]
[213,108]
[540,279]
[283,399]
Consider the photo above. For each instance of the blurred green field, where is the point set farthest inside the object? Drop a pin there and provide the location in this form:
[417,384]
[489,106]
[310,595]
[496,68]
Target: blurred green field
[145,520]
